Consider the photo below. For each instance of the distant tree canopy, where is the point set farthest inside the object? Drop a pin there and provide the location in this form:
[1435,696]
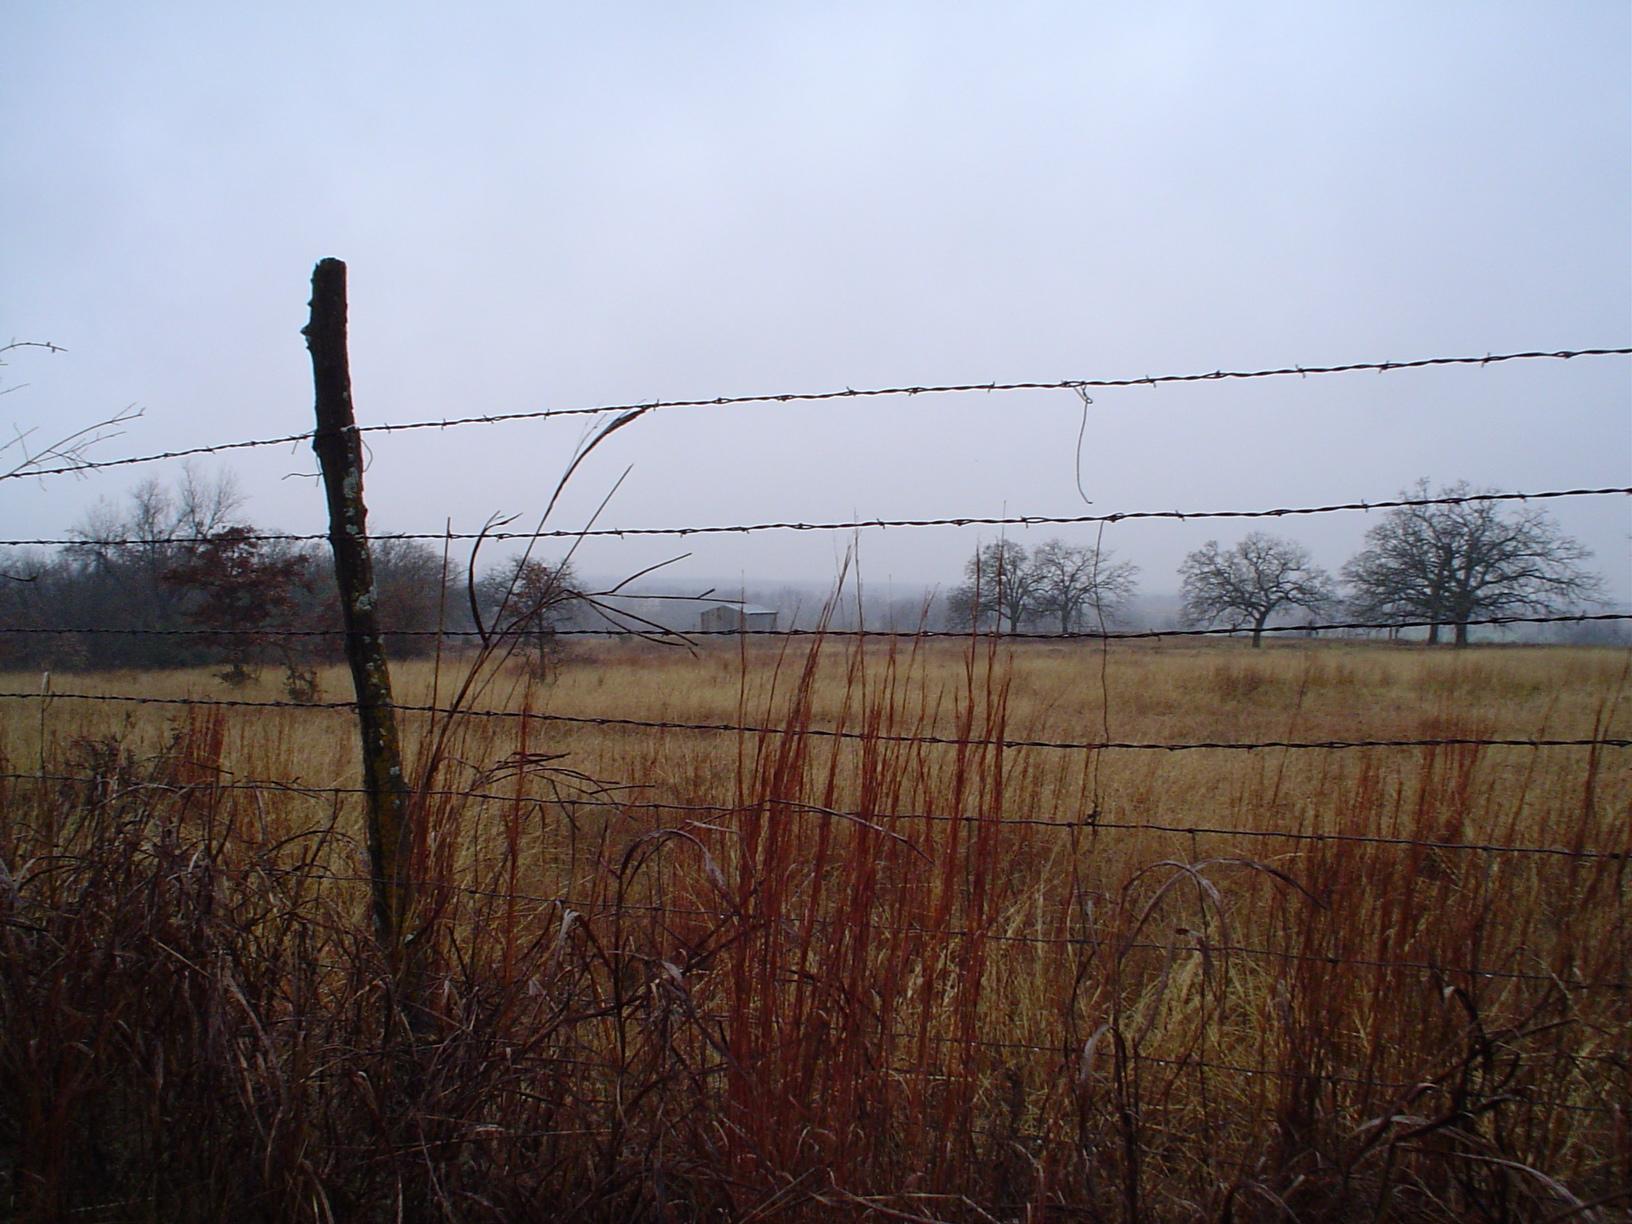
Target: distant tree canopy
[183,579]
[998,587]
[246,591]
[1076,585]
[172,561]
[529,601]
[1058,584]
[1244,586]
[117,575]
[413,592]
[1452,563]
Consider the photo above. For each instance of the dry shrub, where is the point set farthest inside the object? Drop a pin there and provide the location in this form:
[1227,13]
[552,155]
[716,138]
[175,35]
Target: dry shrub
[807,978]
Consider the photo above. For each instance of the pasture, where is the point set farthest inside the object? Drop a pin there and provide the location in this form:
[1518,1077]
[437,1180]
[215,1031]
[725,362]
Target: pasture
[946,964]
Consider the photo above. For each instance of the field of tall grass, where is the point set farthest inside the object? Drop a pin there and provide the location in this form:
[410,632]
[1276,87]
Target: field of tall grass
[943,965]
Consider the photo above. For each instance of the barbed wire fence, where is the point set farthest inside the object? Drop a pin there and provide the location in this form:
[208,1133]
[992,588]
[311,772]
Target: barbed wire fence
[792,397]
[1091,820]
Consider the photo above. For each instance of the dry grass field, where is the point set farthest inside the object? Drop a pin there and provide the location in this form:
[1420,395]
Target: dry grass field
[681,973]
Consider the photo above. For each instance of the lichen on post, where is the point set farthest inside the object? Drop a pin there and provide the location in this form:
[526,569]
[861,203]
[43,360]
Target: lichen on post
[340,455]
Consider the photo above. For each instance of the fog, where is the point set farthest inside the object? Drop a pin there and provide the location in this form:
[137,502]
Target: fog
[552,207]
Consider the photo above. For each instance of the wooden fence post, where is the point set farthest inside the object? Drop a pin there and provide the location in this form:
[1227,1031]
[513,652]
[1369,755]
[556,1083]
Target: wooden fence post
[340,454]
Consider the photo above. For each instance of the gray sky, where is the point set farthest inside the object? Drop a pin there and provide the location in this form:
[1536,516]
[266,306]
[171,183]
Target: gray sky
[564,205]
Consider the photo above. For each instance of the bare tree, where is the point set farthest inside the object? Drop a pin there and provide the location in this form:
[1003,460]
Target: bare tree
[1248,584]
[1452,563]
[528,601]
[1000,586]
[960,612]
[161,523]
[413,593]
[1072,582]
[114,575]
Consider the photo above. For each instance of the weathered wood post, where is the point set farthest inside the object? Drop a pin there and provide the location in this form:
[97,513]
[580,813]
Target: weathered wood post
[340,454]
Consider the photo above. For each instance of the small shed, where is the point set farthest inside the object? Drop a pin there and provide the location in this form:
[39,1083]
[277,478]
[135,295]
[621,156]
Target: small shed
[737,618]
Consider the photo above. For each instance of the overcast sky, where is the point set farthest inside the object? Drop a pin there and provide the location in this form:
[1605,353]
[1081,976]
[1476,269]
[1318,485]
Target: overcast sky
[553,206]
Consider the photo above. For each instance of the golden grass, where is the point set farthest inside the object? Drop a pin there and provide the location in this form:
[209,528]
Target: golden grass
[786,974]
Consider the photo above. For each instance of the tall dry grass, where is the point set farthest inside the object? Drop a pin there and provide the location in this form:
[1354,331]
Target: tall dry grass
[740,975]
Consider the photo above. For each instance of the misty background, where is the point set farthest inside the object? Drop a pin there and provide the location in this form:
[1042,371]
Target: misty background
[549,207]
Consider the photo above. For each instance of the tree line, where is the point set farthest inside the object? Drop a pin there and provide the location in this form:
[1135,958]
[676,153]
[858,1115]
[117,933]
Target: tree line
[1444,565]
[182,579]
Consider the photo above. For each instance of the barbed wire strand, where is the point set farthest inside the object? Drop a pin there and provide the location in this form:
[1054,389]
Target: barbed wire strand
[720,401]
[793,808]
[587,720]
[1016,520]
[1052,1050]
[270,634]
[593,907]
[601,908]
